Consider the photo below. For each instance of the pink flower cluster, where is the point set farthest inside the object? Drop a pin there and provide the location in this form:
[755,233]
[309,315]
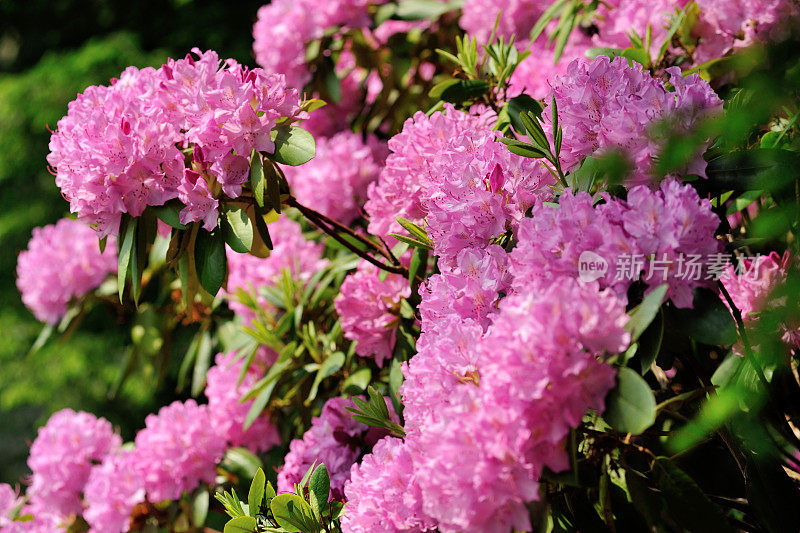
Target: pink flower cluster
[473,459]
[292,252]
[720,25]
[671,224]
[751,289]
[334,439]
[62,263]
[79,467]
[606,105]
[9,500]
[114,488]
[177,450]
[61,459]
[727,24]
[119,148]
[440,168]
[370,310]
[285,27]
[335,182]
[228,414]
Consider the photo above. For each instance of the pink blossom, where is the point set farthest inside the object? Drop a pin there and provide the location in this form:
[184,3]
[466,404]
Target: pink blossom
[61,458]
[440,166]
[334,439]
[9,500]
[606,105]
[382,494]
[177,450]
[228,414]
[370,310]
[61,264]
[114,488]
[335,182]
[118,149]
[285,27]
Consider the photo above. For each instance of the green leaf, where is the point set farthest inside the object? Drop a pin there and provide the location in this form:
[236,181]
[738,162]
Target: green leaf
[237,228]
[424,9]
[273,186]
[256,494]
[292,513]
[293,145]
[320,485]
[522,149]
[534,131]
[437,90]
[257,182]
[211,262]
[687,503]
[463,90]
[329,366]
[630,406]
[261,226]
[644,313]
[522,104]
[772,495]
[414,243]
[709,321]
[241,524]
[646,501]
[200,507]
[650,344]
[357,382]
[127,231]
[169,213]
[548,15]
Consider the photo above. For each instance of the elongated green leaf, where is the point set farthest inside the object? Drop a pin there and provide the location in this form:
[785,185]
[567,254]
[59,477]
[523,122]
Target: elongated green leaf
[463,90]
[200,503]
[169,213]
[257,182]
[329,366]
[127,241]
[211,262]
[548,15]
[293,145]
[630,406]
[256,494]
[273,186]
[644,313]
[424,9]
[413,229]
[437,90]
[414,243]
[241,524]
[522,104]
[237,228]
[534,131]
[320,485]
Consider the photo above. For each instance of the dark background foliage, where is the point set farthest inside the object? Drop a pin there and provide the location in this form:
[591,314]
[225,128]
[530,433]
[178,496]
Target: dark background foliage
[49,52]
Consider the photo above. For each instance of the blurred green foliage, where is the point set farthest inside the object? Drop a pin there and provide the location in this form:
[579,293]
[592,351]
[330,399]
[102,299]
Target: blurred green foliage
[49,52]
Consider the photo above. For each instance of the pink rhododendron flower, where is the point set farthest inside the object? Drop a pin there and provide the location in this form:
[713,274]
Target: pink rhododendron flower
[228,414]
[334,439]
[382,494]
[177,450]
[118,149]
[114,488]
[335,182]
[370,310]
[61,458]
[285,27]
[606,105]
[9,500]
[440,166]
[62,262]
